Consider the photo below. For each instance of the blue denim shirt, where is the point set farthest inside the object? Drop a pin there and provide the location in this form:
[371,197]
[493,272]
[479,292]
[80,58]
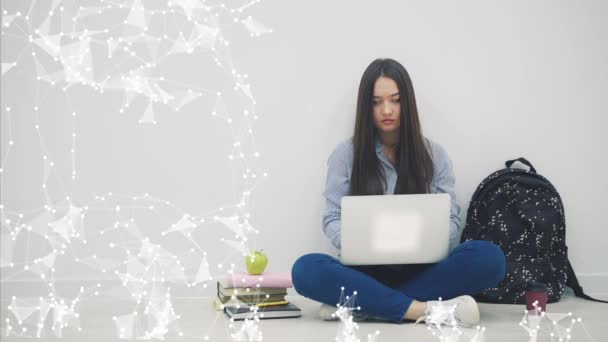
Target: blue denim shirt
[339,169]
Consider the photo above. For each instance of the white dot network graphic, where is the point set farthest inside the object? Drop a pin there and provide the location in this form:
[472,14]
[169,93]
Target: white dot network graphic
[135,37]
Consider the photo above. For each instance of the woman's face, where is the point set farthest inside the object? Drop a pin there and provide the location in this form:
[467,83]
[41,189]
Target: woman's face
[386,105]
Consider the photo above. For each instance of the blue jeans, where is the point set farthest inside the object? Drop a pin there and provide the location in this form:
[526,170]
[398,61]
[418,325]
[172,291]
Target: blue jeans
[386,292]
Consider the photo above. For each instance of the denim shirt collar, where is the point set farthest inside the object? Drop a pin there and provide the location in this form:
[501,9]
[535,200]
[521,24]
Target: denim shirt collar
[380,151]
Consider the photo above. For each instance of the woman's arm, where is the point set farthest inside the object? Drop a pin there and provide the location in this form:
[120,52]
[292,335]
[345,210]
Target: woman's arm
[444,181]
[336,186]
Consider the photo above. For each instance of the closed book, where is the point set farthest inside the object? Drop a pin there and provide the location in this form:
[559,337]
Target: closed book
[289,310]
[266,279]
[219,306]
[226,290]
[253,299]
[250,293]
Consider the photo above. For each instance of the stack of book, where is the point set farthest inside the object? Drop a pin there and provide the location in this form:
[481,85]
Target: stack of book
[240,291]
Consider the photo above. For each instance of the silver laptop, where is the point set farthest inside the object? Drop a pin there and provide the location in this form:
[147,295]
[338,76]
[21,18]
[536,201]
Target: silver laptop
[395,229]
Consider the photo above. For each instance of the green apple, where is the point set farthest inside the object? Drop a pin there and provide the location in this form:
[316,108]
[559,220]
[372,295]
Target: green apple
[256,262]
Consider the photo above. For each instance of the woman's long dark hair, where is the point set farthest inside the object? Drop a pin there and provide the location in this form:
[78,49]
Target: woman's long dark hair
[414,164]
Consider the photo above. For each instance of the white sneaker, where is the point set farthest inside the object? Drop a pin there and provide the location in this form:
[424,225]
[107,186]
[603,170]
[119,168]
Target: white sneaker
[466,312]
[327,312]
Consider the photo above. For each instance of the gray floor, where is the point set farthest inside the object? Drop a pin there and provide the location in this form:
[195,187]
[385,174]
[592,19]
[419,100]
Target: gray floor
[199,319]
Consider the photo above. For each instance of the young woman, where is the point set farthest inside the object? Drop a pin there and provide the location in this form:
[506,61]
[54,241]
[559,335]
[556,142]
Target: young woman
[389,155]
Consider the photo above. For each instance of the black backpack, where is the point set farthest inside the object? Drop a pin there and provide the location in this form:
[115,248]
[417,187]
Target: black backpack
[522,212]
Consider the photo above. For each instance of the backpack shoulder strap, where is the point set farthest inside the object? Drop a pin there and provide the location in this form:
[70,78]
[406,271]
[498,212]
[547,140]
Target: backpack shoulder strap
[576,287]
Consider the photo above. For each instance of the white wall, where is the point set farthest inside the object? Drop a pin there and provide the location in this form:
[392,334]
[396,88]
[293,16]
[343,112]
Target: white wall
[493,80]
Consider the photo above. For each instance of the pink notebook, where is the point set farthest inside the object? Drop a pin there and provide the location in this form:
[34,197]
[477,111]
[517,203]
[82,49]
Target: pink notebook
[266,279]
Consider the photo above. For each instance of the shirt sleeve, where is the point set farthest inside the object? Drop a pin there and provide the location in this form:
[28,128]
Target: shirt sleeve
[336,186]
[444,183]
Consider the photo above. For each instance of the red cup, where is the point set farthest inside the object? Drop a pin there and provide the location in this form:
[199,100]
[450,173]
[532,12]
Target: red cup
[536,292]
